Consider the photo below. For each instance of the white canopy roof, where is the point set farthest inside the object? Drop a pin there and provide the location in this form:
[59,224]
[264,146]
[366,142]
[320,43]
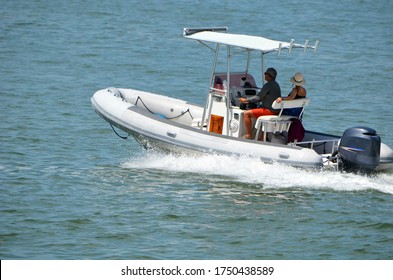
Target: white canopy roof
[242,41]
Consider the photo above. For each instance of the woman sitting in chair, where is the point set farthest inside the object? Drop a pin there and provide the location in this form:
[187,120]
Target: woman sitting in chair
[297,92]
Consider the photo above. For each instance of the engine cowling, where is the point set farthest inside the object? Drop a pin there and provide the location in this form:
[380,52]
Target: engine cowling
[359,150]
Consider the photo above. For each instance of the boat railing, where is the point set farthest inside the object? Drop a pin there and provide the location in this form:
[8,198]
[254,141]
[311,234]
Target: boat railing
[311,144]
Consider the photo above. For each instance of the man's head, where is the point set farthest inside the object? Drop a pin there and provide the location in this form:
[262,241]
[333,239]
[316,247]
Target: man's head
[271,73]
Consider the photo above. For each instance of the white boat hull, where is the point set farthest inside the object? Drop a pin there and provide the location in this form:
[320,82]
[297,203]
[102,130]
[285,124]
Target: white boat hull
[167,123]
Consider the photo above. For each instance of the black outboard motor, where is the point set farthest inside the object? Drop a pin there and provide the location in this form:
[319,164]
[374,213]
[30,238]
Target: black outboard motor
[359,150]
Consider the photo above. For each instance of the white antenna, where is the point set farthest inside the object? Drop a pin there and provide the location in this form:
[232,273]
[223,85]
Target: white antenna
[316,46]
[291,45]
[279,49]
[305,46]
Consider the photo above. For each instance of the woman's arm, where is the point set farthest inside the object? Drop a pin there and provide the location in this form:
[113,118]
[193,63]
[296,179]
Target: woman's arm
[292,95]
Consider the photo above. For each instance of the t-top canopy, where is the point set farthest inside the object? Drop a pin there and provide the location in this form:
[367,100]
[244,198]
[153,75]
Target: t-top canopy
[242,41]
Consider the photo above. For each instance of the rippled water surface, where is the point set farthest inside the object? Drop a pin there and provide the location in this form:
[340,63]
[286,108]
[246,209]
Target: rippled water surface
[71,189]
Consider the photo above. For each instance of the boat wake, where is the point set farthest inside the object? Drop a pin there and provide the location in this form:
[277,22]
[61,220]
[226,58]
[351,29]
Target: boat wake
[269,176]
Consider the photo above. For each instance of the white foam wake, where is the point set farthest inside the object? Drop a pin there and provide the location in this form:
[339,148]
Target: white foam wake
[247,170]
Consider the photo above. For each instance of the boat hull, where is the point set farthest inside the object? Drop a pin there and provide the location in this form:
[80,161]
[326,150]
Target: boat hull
[166,123]
[154,131]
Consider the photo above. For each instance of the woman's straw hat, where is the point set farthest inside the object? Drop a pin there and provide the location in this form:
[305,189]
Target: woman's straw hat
[298,79]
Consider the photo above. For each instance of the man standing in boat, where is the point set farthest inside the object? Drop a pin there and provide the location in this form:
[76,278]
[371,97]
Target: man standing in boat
[269,92]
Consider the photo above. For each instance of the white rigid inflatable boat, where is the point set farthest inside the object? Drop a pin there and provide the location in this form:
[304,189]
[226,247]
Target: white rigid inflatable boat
[178,126]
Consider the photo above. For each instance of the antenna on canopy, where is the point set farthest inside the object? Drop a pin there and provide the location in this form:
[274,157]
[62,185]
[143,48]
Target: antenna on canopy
[316,46]
[191,31]
[291,45]
[279,49]
[305,46]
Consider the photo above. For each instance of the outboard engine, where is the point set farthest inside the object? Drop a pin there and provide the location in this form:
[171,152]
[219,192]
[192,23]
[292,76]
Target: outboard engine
[359,150]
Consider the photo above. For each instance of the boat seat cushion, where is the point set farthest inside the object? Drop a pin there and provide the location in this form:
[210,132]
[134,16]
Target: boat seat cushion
[272,119]
[280,123]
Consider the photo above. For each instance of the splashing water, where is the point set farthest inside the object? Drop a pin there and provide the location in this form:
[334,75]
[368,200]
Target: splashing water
[270,176]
